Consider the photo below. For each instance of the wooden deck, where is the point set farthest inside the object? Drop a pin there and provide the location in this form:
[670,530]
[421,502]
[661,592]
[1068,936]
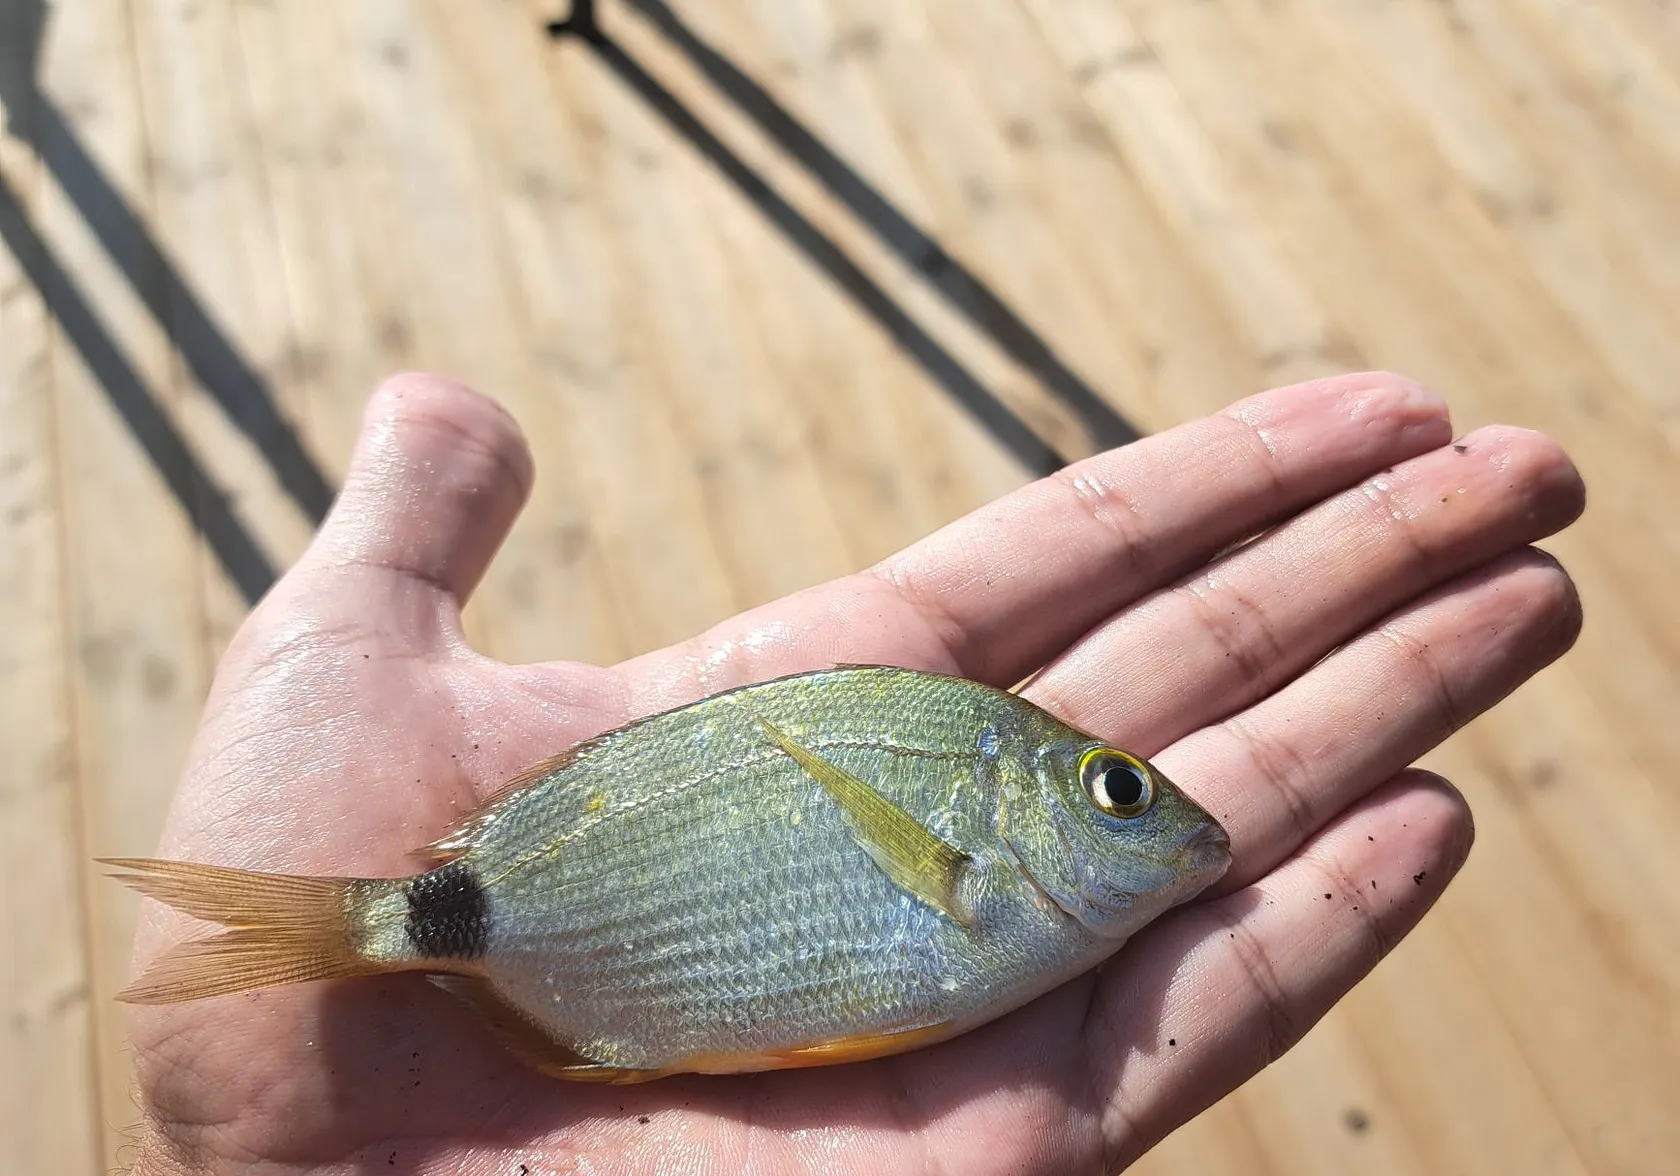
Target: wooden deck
[776,286]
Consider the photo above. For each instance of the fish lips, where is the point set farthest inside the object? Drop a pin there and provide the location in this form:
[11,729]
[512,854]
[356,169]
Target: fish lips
[1112,897]
[1205,856]
[1119,907]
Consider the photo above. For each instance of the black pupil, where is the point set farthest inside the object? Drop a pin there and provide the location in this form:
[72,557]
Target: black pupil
[1123,785]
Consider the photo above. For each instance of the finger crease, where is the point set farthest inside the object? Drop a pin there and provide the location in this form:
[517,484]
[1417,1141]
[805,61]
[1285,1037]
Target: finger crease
[454,433]
[1118,1130]
[1115,511]
[1258,653]
[1261,446]
[1452,713]
[1337,882]
[936,617]
[1381,498]
[1282,1030]
[1281,766]
[904,1104]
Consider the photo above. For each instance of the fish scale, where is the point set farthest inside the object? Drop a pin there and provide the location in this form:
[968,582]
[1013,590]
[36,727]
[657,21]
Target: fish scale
[827,866]
[818,964]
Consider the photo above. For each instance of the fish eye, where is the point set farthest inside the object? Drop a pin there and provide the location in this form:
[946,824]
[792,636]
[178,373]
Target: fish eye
[1118,784]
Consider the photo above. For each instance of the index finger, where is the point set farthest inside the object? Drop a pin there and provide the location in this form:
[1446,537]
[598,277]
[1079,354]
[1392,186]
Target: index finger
[1001,591]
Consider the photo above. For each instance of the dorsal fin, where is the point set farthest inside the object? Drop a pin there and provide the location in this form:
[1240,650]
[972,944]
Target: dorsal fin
[464,830]
[460,833]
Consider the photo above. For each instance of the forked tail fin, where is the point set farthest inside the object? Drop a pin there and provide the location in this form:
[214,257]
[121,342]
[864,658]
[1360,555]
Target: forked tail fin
[285,929]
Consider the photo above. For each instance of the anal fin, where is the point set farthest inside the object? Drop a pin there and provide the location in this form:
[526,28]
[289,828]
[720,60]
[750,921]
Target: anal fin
[860,1048]
[864,1046]
[545,1055]
[527,1042]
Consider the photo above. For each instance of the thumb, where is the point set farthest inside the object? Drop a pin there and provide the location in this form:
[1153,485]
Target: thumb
[438,476]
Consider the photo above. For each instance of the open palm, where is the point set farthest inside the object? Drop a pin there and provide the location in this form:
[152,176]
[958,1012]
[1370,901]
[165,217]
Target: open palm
[1285,684]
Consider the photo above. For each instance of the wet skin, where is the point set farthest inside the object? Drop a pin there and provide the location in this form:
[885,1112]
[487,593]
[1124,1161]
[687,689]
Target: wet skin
[350,720]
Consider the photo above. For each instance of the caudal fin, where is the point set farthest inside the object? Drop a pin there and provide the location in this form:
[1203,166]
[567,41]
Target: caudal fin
[285,929]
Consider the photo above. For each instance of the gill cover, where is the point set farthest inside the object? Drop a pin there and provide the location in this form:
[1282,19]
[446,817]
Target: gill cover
[1096,829]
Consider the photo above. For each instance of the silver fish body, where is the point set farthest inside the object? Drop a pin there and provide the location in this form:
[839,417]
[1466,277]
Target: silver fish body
[684,894]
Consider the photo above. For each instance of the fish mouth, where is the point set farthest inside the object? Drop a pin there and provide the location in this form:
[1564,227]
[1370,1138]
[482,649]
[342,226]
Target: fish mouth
[1207,852]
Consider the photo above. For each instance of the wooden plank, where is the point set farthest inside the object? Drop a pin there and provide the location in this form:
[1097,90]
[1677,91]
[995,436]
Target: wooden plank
[1215,61]
[951,396]
[138,667]
[224,304]
[1547,160]
[49,1107]
[1654,26]
[961,170]
[1182,201]
[1616,433]
[332,237]
[466,322]
[1536,940]
[885,444]
[1140,284]
[1137,101]
[1219,1141]
[1622,68]
[756,482]
[1317,1116]
[590,400]
[1446,309]
[1333,209]
[1453,1070]
[840,378]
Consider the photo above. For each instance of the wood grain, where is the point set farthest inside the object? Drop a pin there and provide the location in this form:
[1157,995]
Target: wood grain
[48,1114]
[783,287]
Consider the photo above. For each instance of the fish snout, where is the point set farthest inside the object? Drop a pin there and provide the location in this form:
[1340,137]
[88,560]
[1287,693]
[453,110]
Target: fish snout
[1207,852]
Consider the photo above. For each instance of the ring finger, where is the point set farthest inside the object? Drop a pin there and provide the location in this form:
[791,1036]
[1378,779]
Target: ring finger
[1275,773]
[1195,652]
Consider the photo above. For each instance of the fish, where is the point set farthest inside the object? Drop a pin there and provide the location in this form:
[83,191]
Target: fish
[826,867]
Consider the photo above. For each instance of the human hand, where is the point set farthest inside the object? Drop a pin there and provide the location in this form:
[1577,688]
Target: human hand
[1286,686]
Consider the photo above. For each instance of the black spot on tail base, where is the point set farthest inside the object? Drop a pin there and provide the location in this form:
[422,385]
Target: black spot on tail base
[448,916]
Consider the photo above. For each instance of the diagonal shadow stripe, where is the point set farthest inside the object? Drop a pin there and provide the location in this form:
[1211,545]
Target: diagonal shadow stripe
[960,287]
[935,360]
[204,503]
[201,342]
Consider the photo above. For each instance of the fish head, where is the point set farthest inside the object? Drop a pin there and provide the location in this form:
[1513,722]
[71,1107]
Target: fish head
[1105,835]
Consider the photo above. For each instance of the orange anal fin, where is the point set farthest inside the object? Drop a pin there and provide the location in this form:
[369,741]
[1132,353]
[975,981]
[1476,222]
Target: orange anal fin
[542,1053]
[528,1042]
[863,1047]
[860,1048]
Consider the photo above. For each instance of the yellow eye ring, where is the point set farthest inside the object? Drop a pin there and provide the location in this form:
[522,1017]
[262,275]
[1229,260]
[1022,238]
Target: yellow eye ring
[1120,785]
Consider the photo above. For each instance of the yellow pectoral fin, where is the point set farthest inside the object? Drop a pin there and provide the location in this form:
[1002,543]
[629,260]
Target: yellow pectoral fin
[911,856]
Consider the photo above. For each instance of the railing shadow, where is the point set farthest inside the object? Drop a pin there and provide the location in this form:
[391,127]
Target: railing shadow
[219,367]
[246,564]
[960,287]
[206,349]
